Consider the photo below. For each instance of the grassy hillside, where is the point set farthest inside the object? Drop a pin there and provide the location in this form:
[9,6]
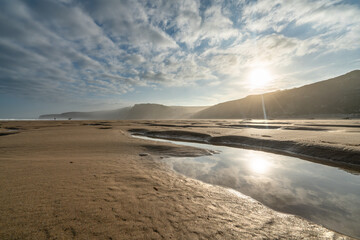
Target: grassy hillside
[336,96]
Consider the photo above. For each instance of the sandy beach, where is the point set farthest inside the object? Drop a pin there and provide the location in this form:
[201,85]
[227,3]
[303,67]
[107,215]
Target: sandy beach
[330,142]
[93,180]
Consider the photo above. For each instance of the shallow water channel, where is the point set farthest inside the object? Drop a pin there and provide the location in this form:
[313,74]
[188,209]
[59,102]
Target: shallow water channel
[322,194]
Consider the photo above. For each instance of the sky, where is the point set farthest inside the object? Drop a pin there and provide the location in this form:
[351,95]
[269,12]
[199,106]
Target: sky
[82,55]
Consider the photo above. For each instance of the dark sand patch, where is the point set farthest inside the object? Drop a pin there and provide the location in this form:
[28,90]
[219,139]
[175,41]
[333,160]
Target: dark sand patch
[252,126]
[305,128]
[268,123]
[97,124]
[13,128]
[179,135]
[105,128]
[333,125]
[8,133]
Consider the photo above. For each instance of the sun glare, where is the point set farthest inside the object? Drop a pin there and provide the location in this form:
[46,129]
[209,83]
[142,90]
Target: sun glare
[259,165]
[259,78]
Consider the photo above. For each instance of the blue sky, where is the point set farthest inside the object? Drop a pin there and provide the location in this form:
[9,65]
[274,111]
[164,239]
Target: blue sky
[66,55]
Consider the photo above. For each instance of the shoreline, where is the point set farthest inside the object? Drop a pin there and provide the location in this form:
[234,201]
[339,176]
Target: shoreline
[90,179]
[332,156]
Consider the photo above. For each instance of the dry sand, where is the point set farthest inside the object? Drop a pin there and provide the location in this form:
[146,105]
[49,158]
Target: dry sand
[86,180]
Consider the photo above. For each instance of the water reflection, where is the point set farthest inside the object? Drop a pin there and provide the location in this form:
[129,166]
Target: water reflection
[322,194]
[258,165]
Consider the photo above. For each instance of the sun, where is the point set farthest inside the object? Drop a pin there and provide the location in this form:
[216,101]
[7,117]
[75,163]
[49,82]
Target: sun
[259,78]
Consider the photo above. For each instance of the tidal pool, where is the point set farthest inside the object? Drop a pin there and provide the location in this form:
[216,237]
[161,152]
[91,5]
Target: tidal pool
[325,195]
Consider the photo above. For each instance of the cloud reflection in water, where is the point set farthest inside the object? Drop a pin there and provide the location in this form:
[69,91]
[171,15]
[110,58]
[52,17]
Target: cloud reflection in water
[322,194]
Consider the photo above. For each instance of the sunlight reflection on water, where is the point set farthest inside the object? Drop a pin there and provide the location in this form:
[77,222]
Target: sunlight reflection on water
[258,165]
[322,194]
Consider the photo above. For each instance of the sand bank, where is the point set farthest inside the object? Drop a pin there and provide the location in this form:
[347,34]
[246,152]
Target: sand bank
[87,180]
[329,142]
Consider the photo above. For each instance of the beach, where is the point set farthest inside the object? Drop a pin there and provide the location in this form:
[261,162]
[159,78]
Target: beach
[93,180]
[330,142]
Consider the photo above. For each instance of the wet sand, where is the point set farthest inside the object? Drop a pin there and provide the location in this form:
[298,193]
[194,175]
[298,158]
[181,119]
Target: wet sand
[92,180]
[330,142]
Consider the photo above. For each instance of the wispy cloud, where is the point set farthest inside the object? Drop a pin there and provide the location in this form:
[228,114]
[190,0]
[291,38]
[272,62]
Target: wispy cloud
[79,50]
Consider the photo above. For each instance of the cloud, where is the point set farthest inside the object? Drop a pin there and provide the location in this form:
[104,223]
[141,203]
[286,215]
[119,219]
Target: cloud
[92,48]
[127,23]
[324,19]
[212,26]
